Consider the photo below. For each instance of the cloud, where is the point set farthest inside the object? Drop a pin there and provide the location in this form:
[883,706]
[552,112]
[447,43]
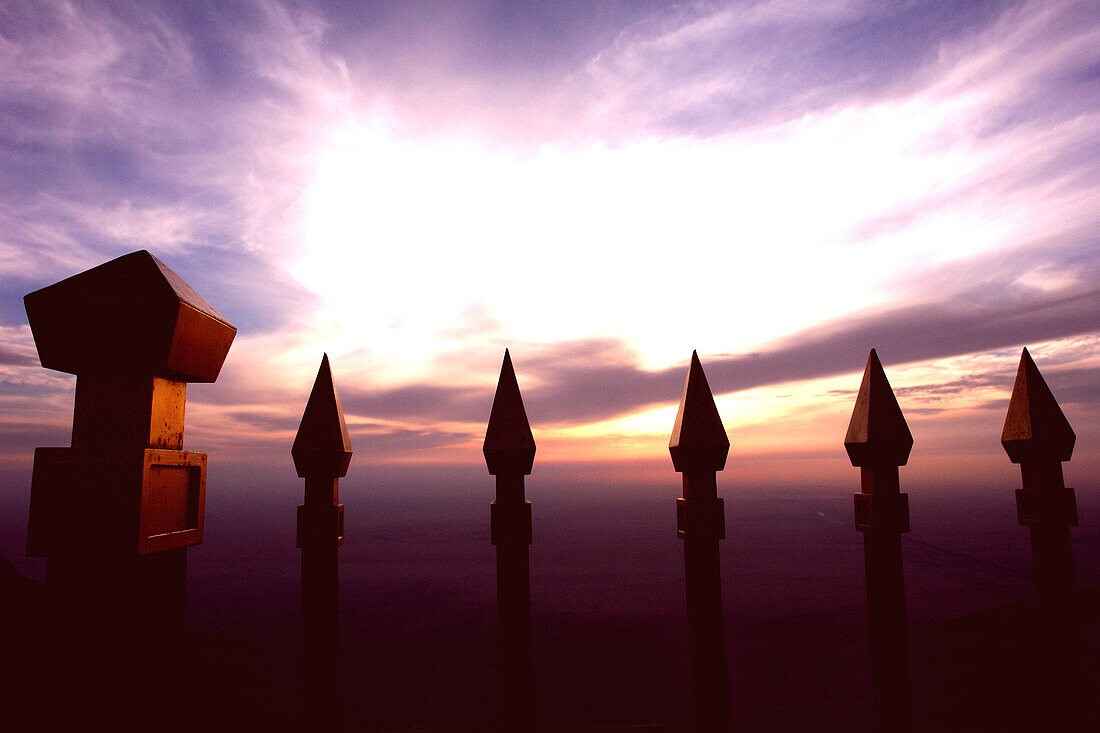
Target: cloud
[13,357]
[265,420]
[17,347]
[1076,386]
[399,443]
[707,68]
[982,308]
[180,128]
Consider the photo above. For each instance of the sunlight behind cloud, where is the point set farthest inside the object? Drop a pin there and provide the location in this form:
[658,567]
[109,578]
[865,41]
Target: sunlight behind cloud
[670,243]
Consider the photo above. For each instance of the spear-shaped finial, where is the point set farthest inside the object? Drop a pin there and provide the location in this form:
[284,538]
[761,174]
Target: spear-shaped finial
[510,452]
[877,432]
[509,445]
[322,445]
[322,452]
[699,441]
[1035,427]
[1037,436]
[878,441]
[699,447]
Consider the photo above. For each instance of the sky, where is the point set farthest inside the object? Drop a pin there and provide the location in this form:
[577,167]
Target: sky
[601,188]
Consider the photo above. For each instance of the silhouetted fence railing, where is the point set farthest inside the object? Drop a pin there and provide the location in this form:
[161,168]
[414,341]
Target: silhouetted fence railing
[114,513]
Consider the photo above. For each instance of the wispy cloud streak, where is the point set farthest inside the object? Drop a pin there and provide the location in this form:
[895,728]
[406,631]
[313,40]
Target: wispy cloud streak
[179,127]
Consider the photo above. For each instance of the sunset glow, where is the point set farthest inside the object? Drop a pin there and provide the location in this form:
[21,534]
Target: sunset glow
[735,178]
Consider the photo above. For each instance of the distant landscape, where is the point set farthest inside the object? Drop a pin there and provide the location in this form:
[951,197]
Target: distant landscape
[418,603]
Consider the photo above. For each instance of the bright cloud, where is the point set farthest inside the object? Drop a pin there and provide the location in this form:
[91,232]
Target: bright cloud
[780,186]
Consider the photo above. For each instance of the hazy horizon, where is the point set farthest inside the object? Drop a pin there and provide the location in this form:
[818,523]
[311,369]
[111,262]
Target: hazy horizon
[418,611]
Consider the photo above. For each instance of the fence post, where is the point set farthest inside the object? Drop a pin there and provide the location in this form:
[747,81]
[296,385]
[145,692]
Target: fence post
[509,454]
[699,447]
[115,512]
[322,454]
[1037,436]
[879,441]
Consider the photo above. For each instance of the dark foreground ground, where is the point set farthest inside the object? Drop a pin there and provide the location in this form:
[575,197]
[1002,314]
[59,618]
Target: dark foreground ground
[418,616]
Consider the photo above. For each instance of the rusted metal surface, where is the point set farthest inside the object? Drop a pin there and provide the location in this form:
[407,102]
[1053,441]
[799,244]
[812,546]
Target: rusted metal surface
[1035,430]
[124,501]
[130,316]
[698,447]
[115,512]
[698,441]
[1038,436]
[322,446]
[878,441]
[322,453]
[509,445]
[509,454]
[128,412]
[877,433]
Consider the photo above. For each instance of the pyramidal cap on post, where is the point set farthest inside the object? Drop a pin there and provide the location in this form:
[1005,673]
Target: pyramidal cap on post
[509,445]
[322,446]
[877,433]
[132,315]
[1035,427]
[134,333]
[699,441]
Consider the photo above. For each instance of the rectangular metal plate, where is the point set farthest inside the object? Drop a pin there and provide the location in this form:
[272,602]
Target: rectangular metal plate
[510,523]
[882,512]
[1055,506]
[83,498]
[323,514]
[695,518]
[115,500]
[173,502]
[173,497]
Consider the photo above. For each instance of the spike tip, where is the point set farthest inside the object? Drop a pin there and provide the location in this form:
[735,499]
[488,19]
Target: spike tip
[877,433]
[699,441]
[1035,427]
[509,445]
[322,446]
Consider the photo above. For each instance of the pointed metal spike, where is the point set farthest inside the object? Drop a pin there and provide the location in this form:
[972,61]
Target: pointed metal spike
[1035,427]
[699,441]
[509,445]
[877,433]
[322,446]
